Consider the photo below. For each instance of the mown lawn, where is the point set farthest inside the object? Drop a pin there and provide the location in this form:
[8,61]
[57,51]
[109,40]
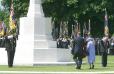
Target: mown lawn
[65,68]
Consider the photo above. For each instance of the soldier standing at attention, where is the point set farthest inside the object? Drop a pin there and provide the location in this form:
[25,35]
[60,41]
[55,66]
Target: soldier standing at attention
[11,36]
[104,45]
[10,44]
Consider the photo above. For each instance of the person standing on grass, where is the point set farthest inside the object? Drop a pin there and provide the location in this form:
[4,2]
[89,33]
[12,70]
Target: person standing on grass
[11,36]
[10,44]
[104,45]
[77,50]
[91,52]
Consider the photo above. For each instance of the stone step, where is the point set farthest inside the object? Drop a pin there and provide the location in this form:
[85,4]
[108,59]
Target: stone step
[45,44]
[43,37]
[52,55]
[53,63]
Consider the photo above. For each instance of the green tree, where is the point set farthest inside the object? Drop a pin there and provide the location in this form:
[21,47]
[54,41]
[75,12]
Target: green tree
[4,16]
[20,7]
[70,11]
[82,10]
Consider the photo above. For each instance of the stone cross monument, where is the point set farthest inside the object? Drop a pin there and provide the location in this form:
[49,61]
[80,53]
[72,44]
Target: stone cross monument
[35,36]
[35,44]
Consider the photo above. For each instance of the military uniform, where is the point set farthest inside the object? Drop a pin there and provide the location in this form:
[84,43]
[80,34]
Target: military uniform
[10,44]
[8,39]
[104,45]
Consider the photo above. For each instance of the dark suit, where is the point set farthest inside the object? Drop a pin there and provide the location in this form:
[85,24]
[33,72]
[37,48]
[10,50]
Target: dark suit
[77,51]
[10,44]
[104,50]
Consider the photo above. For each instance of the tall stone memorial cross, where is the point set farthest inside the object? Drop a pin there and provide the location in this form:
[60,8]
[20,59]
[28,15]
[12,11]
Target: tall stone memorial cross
[35,35]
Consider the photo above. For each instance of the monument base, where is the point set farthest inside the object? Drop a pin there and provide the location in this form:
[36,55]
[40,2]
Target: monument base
[3,57]
[52,55]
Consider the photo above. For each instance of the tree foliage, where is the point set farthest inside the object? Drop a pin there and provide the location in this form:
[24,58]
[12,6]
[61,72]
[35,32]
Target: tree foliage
[4,16]
[20,9]
[20,6]
[82,10]
[69,11]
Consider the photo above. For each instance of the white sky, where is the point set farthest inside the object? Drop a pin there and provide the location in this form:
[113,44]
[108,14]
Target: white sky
[0,5]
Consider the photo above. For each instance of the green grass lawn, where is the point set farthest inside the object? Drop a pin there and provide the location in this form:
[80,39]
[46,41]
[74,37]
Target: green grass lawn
[65,68]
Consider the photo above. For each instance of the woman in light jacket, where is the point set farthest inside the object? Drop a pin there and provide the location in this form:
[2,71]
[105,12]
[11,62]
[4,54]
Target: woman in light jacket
[91,52]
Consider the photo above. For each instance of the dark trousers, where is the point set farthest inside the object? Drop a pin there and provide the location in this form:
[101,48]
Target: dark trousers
[104,59]
[10,55]
[78,60]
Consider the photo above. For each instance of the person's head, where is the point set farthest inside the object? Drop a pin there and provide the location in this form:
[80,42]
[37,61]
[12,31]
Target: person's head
[89,35]
[78,34]
[90,39]
[105,38]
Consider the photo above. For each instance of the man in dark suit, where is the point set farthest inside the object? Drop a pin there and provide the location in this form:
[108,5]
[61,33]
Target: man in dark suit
[104,45]
[77,50]
[10,44]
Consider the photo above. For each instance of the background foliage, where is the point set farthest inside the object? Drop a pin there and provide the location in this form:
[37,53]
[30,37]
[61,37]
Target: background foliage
[82,10]
[69,11]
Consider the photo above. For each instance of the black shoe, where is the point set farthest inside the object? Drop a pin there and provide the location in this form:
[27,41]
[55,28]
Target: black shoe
[78,67]
[104,66]
[10,66]
[92,67]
